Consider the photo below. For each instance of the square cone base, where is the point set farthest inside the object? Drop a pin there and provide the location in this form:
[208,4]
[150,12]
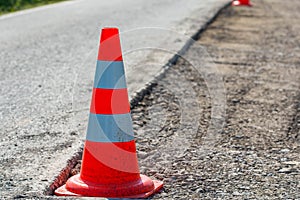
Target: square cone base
[63,191]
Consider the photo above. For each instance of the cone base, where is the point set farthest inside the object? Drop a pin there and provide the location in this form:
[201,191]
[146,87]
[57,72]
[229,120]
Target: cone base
[142,188]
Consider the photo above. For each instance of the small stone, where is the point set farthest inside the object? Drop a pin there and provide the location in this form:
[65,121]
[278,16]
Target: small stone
[236,193]
[200,190]
[73,133]
[285,170]
[142,155]
[283,159]
[235,100]
[20,196]
[238,136]
[190,179]
[164,194]
[244,188]
[292,163]
[284,150]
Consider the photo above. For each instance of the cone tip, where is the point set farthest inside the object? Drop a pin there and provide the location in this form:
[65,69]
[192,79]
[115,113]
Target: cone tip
[114,28]
[108,32]
[110,47]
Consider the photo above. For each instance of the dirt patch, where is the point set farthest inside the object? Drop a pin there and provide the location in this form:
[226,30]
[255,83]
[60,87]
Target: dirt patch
[255,155]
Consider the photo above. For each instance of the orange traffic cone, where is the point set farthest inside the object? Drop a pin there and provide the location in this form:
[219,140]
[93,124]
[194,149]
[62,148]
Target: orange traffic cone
[241,3]
[109,164]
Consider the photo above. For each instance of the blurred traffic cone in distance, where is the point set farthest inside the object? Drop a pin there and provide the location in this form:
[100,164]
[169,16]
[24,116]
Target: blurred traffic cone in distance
[241,3]
[109,164]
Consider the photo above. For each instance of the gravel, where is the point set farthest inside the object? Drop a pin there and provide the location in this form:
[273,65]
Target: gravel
[256,153]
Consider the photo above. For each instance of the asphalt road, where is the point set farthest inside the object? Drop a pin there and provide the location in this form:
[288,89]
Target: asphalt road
[47,65]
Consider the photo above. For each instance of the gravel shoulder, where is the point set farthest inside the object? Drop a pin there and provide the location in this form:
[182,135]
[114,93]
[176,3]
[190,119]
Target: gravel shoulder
[256,153]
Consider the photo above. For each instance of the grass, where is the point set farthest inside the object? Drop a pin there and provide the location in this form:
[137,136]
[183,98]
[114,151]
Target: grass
[7,6]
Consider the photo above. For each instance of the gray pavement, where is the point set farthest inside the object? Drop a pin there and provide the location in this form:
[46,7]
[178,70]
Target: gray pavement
[47,65]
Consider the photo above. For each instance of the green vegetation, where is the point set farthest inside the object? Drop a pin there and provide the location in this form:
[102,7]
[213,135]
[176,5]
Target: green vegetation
[15,5]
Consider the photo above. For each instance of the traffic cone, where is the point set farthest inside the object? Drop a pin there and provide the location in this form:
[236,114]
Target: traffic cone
[241,3]
[109,164]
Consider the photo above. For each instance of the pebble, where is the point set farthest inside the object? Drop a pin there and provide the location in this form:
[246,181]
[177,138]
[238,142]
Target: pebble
[284,150]
[142,155]
[244,187]
[286,170]
[292,163]
[236,194]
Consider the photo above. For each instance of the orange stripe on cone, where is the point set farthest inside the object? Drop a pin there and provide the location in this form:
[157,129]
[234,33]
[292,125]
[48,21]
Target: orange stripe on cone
[119,164]
[110,101]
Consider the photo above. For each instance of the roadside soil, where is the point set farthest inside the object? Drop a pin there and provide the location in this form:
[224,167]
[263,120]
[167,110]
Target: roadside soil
[243,146]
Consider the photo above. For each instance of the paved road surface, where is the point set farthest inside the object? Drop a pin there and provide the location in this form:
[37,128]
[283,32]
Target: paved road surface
[47,53]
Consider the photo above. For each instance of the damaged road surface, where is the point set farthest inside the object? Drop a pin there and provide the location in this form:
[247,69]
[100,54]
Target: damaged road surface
[256,155]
